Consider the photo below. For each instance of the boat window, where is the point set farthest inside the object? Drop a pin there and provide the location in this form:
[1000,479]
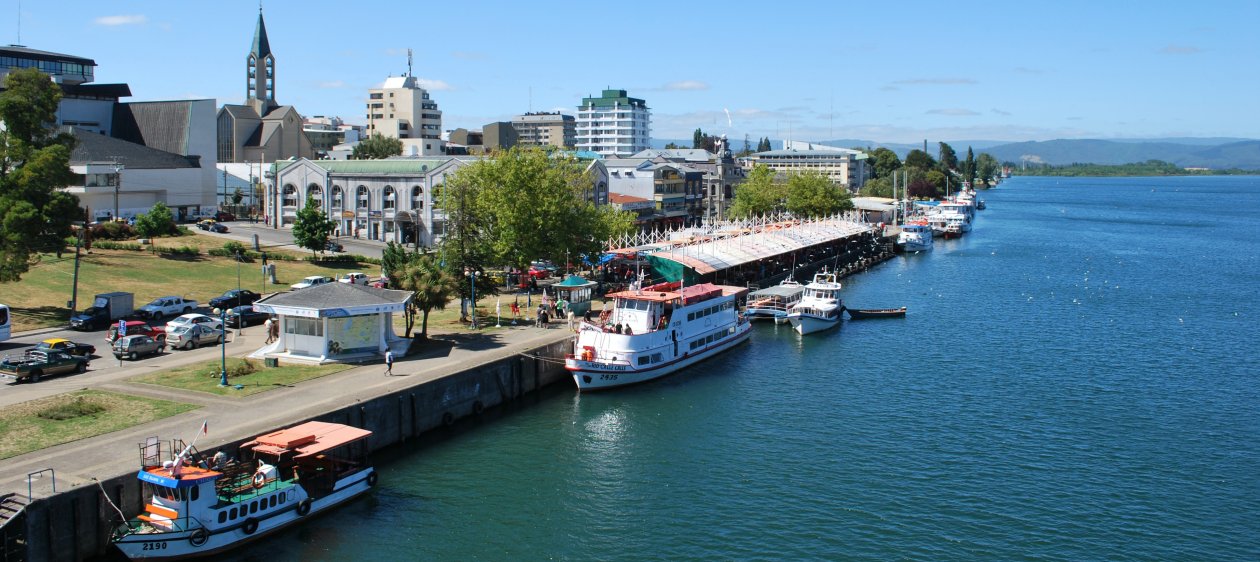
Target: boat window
[643,359]
[273,501]
[730,330]
[656,358]
[232,513]
[253,506]
[691,316]
[642,305]
[281,498]
[195,493]
[222,516]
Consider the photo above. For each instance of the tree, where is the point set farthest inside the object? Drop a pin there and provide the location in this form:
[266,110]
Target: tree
[758,195]
[937,179]
[747,146]
[763,145]
[432,286]
[35,214]
[238,196]
[393,259]
[312,227]
[672,146]
[878,187]
[969,168]
[377,147]
[921,188]
[811,194]
[885,162]
[918,159]
[948,159]
[986,166]
[157,222]
[700,140]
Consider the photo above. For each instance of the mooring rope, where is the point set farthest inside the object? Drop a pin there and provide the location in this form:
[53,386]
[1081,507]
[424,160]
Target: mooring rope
[111,502]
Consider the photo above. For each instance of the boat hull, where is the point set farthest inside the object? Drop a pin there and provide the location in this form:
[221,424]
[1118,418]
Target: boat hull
[593,375]
[809,323]
[178,545]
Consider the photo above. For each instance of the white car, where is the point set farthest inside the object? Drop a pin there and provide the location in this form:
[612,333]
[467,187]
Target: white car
[194,319]
[355,278]
[167,306]
[310,282]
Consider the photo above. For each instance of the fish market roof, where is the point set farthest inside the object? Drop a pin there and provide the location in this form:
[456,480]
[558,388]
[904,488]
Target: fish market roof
[772,240]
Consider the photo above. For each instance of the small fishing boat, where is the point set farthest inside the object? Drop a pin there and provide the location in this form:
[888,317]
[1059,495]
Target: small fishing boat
[980,205]
[916,236]
[772,303]
[820,307]
[867,313]
[199,507]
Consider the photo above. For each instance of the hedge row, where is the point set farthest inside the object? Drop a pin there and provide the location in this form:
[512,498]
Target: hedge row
[111,245]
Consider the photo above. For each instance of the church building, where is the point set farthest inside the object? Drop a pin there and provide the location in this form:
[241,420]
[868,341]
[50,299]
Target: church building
[261,130]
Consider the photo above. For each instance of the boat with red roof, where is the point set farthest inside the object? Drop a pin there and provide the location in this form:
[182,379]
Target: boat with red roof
[199,507]
[651,332]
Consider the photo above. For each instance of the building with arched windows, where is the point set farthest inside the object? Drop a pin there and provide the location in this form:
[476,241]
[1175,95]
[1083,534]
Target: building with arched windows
[395,200]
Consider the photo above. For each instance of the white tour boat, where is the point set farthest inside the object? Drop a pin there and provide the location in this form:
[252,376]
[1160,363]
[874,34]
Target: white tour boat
[916,236]
[654,331]
[820,308]
[772,303]
[200,507]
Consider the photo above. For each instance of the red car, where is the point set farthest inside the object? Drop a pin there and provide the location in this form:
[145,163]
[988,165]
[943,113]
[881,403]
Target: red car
[224,216]
[137,327]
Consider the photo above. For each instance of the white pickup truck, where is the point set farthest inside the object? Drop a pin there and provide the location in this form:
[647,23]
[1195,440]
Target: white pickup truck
[167,306]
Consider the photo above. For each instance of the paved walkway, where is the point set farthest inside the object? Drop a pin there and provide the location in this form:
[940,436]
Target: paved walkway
[231,419]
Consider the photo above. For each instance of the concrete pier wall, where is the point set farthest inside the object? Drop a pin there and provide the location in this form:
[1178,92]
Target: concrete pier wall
[75,525]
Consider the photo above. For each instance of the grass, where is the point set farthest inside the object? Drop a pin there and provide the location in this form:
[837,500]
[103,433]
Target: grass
[253,378]
[39,299]
[26,427]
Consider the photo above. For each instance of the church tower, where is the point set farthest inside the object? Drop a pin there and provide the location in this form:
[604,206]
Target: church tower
[260,69]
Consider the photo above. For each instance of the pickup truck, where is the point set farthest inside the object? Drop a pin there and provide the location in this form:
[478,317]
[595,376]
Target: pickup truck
[35,364]
[167,306]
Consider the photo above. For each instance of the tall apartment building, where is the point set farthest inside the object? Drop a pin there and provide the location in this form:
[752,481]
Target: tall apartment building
[613,124]
[401,109]
[546,129]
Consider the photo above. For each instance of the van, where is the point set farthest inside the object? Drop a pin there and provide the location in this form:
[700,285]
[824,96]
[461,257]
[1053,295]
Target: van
[6,323]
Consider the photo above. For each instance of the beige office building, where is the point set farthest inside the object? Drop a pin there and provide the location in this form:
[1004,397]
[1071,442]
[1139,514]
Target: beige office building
[401,109]
[546,129]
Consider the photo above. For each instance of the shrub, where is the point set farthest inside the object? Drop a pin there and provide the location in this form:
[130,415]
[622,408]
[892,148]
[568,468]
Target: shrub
[112,231]
[157,222]
[70,410]
[108,245]
[183,231]
[233,247]
[178,251]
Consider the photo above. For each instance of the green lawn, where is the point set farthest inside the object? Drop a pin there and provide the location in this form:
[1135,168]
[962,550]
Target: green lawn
[39,299]
[205,377]
[22,430]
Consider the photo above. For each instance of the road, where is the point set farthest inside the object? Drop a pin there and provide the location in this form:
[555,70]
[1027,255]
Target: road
[269,237]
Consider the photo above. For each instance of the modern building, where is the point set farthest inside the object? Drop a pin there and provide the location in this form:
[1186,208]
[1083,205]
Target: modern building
[614,124]
[261,130]
[83,104]
[845,167]
[334,322]
[401,109]
[500,135]
[395,200]
[546,129]
[328,132]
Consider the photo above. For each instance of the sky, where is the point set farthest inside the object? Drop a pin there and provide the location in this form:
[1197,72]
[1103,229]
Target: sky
[898,72]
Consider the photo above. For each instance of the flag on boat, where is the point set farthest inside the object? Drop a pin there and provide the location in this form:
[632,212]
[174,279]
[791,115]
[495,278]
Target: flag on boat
[205,427]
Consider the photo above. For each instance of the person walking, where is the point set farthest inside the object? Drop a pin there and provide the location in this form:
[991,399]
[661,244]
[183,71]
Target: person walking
[389,362]
[267,325]
[572,318]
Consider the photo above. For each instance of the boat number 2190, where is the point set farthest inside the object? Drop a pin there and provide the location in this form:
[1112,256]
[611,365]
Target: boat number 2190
[608,377]
[153,545]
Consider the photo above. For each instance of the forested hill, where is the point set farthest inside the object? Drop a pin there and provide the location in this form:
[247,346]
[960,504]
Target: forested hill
[1242,154]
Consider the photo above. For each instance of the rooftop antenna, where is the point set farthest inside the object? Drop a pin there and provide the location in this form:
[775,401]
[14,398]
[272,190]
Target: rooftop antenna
[19,22]
[409,63]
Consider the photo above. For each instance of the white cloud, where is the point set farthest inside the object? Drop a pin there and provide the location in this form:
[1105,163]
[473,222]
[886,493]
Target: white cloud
[954,111]
[686,85]
[136,19]
[434,85]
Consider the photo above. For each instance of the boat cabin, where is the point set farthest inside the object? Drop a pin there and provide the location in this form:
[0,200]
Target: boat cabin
[652,308]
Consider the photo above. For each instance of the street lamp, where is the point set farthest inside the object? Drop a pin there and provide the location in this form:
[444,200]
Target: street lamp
[472,285]
[223,345]
[240,320]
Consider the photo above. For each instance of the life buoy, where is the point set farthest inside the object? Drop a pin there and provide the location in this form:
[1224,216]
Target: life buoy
[250,526]
[371,479]
[198,537]
[304,506]
[259,479]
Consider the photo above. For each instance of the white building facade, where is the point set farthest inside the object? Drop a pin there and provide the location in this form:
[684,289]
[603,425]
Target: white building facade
[843,166]
[614,125]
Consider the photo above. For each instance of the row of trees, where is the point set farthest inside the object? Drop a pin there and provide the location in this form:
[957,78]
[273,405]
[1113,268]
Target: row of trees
[927,177]
[805,194]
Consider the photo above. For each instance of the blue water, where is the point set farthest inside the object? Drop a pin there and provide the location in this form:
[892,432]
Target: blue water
[1075,380]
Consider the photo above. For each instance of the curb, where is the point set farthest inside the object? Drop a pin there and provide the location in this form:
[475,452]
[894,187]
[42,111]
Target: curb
[39,332]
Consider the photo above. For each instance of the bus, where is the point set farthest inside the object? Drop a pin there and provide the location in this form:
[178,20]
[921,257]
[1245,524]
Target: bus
[6,323]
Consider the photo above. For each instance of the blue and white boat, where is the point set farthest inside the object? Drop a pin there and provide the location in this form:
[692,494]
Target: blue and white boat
[772,303]
[820,307]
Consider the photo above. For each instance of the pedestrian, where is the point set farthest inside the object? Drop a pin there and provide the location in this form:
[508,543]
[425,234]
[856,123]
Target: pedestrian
[572,318]
[267,325]
[389,362]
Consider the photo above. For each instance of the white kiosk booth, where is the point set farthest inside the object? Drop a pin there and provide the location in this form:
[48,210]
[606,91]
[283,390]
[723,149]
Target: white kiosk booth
[334,322]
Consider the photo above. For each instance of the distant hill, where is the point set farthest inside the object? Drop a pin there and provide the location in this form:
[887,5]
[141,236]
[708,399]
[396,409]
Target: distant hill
[1243,154]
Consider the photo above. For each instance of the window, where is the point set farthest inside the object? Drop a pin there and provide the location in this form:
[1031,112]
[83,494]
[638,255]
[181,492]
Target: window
[691,316]
[273,501]
[643,359]
[389,197]
[304,326]
[195,493]
[282,498]
[223,516]
[361,197]
[336,194]
[656,358]
[314,191]
[253,507]
[290,195]
[417,201]
[232,513]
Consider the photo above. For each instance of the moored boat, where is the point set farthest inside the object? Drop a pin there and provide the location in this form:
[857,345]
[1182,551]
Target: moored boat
[772,303]
[867,313]
[916,236]
[820,306]
[199,507]
[652,332]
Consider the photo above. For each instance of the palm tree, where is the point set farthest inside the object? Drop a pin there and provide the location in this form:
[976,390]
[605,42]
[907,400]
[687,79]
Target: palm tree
[432,287]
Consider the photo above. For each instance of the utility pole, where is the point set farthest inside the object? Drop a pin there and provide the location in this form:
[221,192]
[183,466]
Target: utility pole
[74,291]
[117,184]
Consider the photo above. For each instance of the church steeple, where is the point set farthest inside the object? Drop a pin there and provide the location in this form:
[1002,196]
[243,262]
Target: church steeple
[260,69]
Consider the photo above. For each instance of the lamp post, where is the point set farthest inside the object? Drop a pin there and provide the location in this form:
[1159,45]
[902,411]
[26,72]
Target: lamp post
[240,320]
[472,285]
[223,345]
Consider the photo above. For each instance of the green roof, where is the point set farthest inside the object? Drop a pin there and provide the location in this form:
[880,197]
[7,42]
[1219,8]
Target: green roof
[400,166]
[611,98]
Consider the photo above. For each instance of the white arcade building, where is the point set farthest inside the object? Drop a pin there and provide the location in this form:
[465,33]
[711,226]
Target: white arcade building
[333,323]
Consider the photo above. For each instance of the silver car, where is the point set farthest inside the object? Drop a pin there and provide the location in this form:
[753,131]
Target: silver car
[197,335]
[132,347]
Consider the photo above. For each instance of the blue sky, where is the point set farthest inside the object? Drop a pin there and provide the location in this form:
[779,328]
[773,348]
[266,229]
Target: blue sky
[890,72]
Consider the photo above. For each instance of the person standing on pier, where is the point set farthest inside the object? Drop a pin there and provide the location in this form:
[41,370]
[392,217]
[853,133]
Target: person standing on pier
[389,362]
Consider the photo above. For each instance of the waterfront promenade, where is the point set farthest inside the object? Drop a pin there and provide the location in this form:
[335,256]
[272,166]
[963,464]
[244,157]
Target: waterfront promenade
[233,419]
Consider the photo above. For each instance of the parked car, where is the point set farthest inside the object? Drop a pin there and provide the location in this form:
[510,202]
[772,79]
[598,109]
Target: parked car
[224,216]
[204,224]
[234,298]
[246,314]
[167,306]
[311,282]
[538,272]
[191,320]
[133,347]
[34,364]
[219,228]
[196,335]
[136,327]
[66,346]
[333,246]
[355,278]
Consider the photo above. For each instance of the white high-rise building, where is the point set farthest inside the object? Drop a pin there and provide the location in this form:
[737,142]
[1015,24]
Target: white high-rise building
[401,109]
[614,124]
